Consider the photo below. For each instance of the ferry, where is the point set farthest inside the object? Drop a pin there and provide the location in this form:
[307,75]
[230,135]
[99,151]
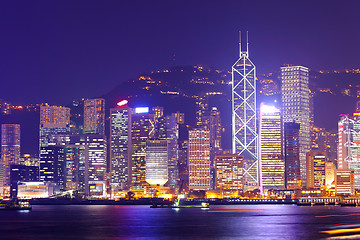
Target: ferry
[15,204]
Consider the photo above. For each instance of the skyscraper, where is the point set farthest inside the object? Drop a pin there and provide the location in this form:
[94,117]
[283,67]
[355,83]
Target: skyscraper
[120,146]
[172,136]
[53,120]
[244,127]
[53,165]
[292,157]
[329,174]
[229,172]
[315,170]
[271,147]
[156,162]
[296,108]
[215,128]
[349,146]
[91,153]
[75,167]
[10,152]
[142,129]
[94,116]
[344,182]
[199,159]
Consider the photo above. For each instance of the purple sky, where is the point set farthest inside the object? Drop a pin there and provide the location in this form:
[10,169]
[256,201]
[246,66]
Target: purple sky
[56,51]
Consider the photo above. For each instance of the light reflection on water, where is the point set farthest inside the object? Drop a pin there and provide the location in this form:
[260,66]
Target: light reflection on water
[129,222]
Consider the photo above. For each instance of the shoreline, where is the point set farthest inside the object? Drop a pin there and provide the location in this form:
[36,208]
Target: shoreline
[156,201]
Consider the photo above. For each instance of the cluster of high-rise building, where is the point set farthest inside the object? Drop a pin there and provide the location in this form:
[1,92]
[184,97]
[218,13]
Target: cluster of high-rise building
[275,146]
[282,148]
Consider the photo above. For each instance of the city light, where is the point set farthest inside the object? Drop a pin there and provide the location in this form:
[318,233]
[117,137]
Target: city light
[268,109]
[122,103]
[142,110]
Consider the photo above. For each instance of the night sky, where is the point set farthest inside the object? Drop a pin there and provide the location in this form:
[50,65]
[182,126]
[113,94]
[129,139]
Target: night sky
[56,51]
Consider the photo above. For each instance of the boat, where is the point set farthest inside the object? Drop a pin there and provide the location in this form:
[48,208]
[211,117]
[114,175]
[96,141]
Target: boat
[192,205]
[15,204]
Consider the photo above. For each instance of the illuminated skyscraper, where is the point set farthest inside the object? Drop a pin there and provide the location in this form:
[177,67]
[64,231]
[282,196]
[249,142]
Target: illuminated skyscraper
[120,146]
[349,146]
[215,129]
[292,157]
[172,136]
[10,152]
[53,120]
[315,170]
[75,167]
[329,174]
[156,162]
[344,182]
[271,158]
[95,167]
[53,165]
[244,127]
[142,129]
[91,154]
[183,163]
[199,159]
[94,116]
[229,172]
[296,108]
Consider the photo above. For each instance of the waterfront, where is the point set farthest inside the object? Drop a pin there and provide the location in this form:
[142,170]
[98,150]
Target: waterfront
[134,222]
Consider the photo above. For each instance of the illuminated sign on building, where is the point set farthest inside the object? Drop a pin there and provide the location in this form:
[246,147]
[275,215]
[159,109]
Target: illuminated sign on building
[122,103]
[142,110]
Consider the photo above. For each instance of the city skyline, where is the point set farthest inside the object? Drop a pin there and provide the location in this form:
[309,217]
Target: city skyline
[106,44]
[144,145]
[179,119]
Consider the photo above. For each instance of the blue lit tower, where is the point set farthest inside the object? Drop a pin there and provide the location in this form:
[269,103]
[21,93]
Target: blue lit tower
[244,129]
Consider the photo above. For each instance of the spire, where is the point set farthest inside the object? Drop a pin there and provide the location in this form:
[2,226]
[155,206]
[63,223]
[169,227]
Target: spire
[247,43]
[239,43]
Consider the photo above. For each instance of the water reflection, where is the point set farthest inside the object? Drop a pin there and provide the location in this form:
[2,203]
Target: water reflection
[233,222]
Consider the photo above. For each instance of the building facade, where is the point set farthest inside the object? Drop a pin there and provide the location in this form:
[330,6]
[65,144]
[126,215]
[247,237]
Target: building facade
[229,172]
[142,129]
[349,146]
[315,170]
[296,107]
[53,166]
[271,148]
[344,182]
[292,155]
[199,159]
[53,120]
[10,153]
[22,173]
[94,116]
[157,162]
[120,147]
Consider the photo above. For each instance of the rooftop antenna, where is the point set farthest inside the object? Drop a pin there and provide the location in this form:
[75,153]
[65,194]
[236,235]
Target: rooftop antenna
[239,43]
[247,43]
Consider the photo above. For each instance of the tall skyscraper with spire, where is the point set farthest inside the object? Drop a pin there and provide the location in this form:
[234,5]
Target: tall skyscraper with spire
[244,128]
